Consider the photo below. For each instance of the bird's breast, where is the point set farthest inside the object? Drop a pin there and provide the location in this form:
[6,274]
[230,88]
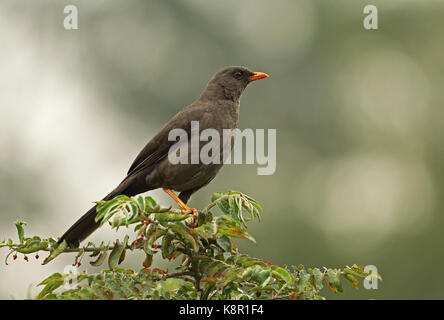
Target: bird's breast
[209,145]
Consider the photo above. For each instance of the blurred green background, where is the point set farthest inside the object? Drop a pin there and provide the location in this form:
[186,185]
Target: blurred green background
[359,119]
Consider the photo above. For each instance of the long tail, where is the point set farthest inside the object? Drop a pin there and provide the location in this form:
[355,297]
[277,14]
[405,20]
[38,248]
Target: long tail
[87,224]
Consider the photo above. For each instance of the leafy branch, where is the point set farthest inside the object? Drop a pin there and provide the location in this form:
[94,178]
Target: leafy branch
[211,265]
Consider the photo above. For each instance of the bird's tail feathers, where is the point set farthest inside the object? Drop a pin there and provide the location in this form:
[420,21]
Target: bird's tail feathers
[86,225]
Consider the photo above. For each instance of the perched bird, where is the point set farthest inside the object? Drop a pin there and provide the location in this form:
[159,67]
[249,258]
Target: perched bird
[217,108]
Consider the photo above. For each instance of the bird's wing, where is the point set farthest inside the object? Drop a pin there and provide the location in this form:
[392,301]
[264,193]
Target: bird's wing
[157,148]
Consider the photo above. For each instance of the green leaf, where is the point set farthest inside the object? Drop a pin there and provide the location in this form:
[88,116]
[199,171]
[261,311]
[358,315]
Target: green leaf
[21,232]
[351,279]
[152,235]
[223,206]
[206,231]
[104,208]
[100,259]
[167,248]
[224,243]
[214,268]
[246,261]
[141,203]
[58,250]
[116,253]
[255,204]
[318,278]
[172,285]
[150,204]
[359,272]
[260,275]
[98,290]
[334,280]
[304,277]
[170,216]
[216,196]
[234,209]
[121,204]
[123,254]
[283,274]
[229,227]
[51,283]
[33,246]
[186,235]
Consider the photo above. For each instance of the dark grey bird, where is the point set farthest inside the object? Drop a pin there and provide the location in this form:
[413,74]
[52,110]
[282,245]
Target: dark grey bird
[217,108]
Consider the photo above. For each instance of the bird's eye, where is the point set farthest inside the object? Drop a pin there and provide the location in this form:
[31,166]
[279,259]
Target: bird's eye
[238,75]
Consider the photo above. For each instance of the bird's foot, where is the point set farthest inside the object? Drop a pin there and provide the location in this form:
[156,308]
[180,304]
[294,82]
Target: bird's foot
[183,206]
[195,217]
[194,214]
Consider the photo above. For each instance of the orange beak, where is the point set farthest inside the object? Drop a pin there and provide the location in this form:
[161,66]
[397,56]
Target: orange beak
[258,75]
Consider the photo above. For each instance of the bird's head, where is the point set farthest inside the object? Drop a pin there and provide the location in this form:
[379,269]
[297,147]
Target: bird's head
[230,82]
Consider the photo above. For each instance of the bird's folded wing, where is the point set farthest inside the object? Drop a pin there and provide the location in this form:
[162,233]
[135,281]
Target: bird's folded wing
[157,148]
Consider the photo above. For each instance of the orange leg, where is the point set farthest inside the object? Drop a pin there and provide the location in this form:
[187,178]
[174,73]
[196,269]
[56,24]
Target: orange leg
[182,205]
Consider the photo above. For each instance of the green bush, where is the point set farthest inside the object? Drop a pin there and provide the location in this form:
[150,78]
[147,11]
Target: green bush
[211,265]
